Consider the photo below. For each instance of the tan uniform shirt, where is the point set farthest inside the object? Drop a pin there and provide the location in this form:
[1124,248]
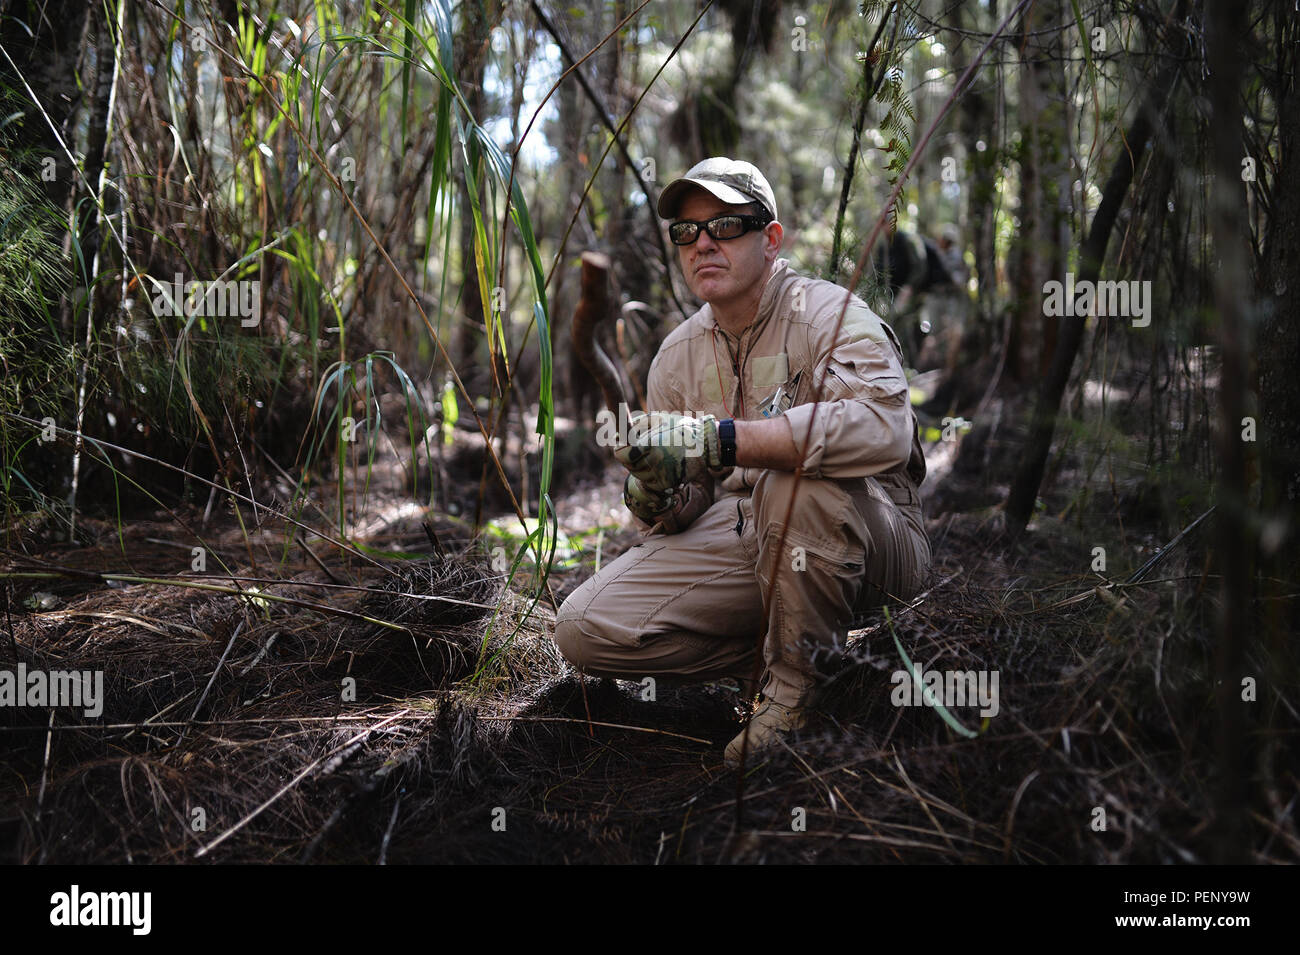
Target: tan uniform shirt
[846,390]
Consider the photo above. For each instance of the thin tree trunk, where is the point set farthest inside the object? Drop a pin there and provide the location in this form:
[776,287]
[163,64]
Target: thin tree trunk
[1054,182]
[470,70]
[1279,387]
[1225,24]
[94,227]
[1279,343]
[1026,303]
[979,127]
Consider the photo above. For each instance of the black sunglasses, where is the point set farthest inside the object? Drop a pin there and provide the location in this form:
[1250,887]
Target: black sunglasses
[686,231]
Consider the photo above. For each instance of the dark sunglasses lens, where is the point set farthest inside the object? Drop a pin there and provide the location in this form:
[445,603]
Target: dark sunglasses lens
[683,233]
[727,227]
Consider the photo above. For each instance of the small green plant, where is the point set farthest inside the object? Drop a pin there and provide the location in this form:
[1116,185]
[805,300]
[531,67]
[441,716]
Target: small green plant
[350,381]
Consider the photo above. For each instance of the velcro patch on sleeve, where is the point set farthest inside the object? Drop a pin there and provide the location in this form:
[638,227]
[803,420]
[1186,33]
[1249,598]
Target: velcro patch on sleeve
[861,322]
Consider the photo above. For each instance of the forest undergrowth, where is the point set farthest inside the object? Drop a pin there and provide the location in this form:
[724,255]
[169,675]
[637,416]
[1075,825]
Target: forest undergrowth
[349,707]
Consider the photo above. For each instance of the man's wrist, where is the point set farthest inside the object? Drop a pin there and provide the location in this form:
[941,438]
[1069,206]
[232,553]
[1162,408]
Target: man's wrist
[768,443]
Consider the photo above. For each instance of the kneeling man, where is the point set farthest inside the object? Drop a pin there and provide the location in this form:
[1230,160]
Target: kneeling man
[777,472]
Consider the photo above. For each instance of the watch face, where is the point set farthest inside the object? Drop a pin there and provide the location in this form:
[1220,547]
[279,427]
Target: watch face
[727,442]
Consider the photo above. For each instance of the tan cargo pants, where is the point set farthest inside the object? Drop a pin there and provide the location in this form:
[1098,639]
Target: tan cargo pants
[692,606]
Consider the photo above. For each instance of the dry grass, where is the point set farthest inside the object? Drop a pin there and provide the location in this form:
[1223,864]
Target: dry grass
[1104,703]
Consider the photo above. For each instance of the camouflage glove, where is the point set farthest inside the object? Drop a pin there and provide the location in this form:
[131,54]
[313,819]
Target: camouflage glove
[646,503]
[671,511]
[666,450]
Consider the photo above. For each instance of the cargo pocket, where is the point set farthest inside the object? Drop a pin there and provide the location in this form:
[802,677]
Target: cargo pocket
[848,379]
[744,528]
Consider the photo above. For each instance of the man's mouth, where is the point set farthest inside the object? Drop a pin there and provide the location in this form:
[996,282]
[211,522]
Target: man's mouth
[710,266]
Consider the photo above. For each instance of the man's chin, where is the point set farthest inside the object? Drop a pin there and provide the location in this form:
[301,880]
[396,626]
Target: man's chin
[708,285]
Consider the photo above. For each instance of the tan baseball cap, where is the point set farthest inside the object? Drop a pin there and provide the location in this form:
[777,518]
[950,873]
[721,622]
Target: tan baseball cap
[734,181]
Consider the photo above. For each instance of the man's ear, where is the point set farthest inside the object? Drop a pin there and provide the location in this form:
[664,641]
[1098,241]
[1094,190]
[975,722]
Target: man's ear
[773,236]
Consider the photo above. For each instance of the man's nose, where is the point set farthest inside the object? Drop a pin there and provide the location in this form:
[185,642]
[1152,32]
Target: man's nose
[705,243]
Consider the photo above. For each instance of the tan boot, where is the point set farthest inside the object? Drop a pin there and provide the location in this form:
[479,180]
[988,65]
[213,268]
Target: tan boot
[770,722]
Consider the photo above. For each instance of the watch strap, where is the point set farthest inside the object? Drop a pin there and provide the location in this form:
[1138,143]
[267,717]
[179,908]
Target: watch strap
[727,442]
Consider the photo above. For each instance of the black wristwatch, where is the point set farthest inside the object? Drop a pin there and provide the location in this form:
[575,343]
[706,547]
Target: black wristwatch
[727,442]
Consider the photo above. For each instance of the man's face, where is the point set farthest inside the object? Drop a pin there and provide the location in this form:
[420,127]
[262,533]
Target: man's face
[721,272]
